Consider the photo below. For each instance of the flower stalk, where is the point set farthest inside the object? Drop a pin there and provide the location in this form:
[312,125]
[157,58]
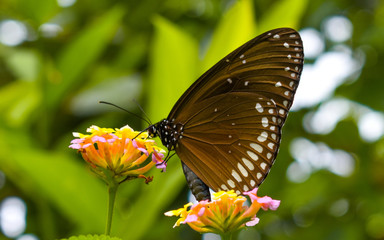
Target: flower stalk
[112,190]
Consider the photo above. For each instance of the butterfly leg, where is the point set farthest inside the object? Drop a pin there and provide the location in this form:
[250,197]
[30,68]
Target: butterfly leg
[198,188]
[165,161]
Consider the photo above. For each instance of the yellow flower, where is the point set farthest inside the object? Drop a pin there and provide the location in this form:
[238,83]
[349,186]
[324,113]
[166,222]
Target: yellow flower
[225,214]
[122,151]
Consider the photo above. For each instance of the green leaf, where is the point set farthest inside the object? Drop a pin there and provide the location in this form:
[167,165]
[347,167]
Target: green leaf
[235,28]
[25,64]
[82,52]
[57,177]
[23,107]
[285,13]
[173,64]
[40,12]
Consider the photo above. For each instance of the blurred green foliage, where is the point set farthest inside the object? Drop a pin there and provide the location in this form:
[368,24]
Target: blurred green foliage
[152,51]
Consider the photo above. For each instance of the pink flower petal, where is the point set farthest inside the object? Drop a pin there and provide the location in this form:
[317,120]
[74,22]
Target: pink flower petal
[268,203]
[143,150]
[201,212]
[190,218]
[252,194]
[253,222]
[98,139]
[75,146]
[77,140]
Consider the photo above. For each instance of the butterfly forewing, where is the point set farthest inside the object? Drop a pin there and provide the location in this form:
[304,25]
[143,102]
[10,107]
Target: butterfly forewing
[231,117]
[271,64]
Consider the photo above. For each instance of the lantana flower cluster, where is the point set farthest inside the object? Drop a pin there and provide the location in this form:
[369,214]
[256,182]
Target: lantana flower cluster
[225,214]
[121,151]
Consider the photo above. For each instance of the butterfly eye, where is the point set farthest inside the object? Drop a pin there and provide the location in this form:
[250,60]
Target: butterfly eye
[230,119]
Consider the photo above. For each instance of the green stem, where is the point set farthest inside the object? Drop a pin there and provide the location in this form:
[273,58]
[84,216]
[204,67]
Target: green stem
[112,189]
[226,236]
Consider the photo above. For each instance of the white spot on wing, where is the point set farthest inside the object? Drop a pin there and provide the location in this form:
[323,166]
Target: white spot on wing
[245,188]
[259,108]
[269,155]
[278,84]
[241,56]
[289,56]
[257,147]
[236,176]
[259,175]
[253,155]
[263,165]
[231,183]
[273,136]
[244,61]
[286,45]
[263,136]
[264,122]
[229,80]
[253,183]
[271,145]
[224,187]
[243,171]
[287,69]
[246,83]
[248,164]
[286,93]
[276,36]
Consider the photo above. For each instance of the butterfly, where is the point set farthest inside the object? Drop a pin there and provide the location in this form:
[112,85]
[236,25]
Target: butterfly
[226,127]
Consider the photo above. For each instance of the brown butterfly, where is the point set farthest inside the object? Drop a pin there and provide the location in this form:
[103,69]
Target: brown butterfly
[226,128]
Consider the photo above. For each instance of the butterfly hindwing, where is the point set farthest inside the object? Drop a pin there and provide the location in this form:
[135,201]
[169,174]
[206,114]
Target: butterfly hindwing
[237,143]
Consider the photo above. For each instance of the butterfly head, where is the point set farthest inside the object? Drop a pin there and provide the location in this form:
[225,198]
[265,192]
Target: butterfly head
[152,130]
[168,131]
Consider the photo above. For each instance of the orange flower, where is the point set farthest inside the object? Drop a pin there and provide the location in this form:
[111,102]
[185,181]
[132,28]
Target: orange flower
[122,151]
[225,214]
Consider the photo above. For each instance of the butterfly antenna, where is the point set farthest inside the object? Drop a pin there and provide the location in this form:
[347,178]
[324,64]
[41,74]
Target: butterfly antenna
[140,133]
[142,110]
[125,110]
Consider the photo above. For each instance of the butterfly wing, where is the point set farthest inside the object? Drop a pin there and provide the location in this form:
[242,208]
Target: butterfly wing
[234,147]
[270,64]
[233,114]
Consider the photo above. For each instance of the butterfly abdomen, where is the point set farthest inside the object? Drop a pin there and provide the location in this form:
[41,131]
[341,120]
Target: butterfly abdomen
[198,188]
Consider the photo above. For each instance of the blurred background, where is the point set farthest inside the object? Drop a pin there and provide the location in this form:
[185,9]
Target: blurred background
[59,58]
